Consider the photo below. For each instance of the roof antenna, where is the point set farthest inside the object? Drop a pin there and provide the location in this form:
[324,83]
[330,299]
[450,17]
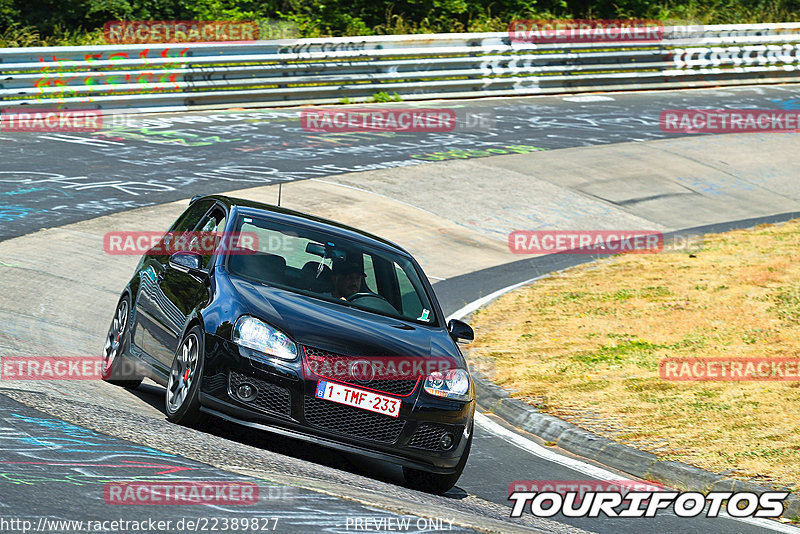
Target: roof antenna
[279,193]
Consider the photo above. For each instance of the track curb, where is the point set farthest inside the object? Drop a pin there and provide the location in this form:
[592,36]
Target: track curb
[498,401]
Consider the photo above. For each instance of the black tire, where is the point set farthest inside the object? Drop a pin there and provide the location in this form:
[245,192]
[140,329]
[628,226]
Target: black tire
[434,482]
[182,399]
[113,370]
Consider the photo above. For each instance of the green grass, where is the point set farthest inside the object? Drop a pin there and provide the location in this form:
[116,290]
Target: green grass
[616,354]
[787,304]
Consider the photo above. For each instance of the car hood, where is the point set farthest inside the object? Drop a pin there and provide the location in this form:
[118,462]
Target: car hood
[342,329]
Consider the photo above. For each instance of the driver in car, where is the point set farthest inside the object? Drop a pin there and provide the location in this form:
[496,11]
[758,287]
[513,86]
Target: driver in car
[347,278]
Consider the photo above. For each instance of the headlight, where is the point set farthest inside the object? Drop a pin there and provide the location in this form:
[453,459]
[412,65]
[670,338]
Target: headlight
[257,335]
[451,384]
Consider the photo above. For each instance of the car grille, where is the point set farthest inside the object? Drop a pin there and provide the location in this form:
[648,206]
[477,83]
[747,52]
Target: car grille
[401,388]
[352,421]
[427,436]
[271,398]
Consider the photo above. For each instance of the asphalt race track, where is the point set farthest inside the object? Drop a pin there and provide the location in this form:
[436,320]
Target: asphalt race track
[61,442]
[38,450]
[50,179]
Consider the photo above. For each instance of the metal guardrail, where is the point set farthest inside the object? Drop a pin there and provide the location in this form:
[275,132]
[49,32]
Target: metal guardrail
[174,77]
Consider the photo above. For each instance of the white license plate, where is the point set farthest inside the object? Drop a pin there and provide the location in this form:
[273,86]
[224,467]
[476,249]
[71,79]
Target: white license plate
[366,400]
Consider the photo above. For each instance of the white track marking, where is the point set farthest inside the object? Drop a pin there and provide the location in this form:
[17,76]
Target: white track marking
[587,98]
[474,305]
[546,453]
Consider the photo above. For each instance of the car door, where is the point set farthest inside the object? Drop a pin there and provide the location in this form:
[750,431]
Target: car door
[148,329]
[180,292]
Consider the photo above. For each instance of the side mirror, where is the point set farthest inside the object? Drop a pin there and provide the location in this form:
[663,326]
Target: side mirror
[460,331]
[187,262]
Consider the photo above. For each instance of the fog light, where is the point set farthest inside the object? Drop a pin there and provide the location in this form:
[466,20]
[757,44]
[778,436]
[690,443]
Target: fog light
[446,441]
[246,392]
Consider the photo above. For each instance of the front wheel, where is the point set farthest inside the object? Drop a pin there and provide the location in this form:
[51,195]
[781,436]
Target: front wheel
[183,388]
[434,482]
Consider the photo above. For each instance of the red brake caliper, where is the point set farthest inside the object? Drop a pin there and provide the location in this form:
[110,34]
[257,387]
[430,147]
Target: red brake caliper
[186,375]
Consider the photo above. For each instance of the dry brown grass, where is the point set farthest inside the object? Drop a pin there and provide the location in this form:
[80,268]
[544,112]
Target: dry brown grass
[585,345]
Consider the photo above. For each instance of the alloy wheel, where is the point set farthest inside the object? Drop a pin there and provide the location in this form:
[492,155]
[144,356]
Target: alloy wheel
[182,373]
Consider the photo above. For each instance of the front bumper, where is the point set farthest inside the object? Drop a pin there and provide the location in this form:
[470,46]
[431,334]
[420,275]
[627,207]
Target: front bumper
[286,404]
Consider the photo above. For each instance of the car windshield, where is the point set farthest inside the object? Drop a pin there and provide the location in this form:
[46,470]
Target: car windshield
[329,267]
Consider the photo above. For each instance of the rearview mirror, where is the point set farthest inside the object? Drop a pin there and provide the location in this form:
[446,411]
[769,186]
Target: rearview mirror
[315,249]
[187,262]
[326,251]
[460,331]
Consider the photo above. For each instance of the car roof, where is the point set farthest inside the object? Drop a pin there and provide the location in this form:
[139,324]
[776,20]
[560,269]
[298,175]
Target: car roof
[298,217]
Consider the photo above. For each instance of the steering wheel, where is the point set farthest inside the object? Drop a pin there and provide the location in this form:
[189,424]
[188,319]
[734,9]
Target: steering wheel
[364,294]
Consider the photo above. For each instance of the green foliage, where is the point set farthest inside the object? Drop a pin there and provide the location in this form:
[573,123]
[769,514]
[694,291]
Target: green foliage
[31,23]
[386,97]
[9,13]
[14,36]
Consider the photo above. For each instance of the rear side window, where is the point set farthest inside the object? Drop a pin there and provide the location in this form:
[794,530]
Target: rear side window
[213,223]
[191,217]
[187,222]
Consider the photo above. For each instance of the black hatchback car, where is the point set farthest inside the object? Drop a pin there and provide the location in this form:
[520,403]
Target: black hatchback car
[300,326]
